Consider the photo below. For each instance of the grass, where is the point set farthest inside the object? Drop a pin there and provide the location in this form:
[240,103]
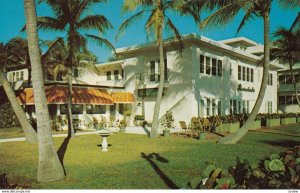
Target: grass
[174,162]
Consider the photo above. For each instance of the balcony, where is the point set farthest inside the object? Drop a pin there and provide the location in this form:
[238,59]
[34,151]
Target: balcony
[147,78]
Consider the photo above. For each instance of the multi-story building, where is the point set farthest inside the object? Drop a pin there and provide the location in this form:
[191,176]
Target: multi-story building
[287,101]
[205,78]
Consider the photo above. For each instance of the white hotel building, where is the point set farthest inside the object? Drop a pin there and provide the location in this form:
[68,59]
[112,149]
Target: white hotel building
[207,78]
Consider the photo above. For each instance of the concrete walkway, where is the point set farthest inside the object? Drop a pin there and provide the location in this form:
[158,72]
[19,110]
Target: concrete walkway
[130,130]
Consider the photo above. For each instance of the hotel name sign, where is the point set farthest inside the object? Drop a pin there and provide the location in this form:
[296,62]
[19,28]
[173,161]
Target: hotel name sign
[241,88]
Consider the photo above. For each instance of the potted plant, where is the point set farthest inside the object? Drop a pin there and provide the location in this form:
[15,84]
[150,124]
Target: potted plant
[197,127]
[139,120]
[123,125]
[167,123]
[98,124]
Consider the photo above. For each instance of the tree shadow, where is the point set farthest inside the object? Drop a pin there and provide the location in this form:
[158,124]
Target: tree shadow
[100,145]
[283,143]
[161,174]
[62,150]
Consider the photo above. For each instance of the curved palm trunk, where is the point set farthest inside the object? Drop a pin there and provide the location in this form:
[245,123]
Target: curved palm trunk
[49,166]
[235,137]
[30,133]
[294,83]
[154,129]
[71,132]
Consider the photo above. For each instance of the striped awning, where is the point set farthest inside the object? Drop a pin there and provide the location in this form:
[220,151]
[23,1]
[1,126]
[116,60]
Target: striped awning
[81,95]
[122,97]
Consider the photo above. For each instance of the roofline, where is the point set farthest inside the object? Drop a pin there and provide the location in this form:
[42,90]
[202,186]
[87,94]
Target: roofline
[109,63]
[200,38]
[237,39]
[48,83]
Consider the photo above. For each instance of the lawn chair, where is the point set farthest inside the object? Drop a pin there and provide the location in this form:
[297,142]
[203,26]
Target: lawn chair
[183,126]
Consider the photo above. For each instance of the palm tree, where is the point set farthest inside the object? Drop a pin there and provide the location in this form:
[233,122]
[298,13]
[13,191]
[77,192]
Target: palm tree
[287,49]
[227,10]
[49,166]
[73,17]
[5,58]
[55,59]
[156,23]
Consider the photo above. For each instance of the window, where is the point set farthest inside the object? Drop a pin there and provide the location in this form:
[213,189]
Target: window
[166,69]
[17,76]
[219,108]
[233,106]
[202,64]
[207,65]
[208,107]
[95,109]
[244,73]
[122,73]
[22,75]
[288,79]
[220,68]
[246,106]
[288,100]
[270,79]
[77,109]
[252,75]
[63,109]
[282,79]
[239,107]
[116,74]
[248,74]
[121,108]
[269,110]
[76,72]
[108,75]
[152,71]
[239,73]
[14,76]
[214,67]
[52,109]
[281,100]
[213,107]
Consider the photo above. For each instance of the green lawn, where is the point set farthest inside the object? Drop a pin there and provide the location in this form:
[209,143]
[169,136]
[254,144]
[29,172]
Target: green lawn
[179,159]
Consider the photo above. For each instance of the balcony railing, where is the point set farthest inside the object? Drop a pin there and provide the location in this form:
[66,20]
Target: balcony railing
[147,78]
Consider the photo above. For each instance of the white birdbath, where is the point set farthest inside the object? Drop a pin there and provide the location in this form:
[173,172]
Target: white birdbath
[104,134]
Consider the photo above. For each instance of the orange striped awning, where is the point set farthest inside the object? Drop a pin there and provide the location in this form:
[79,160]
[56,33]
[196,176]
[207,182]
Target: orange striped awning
[122,97]
[81,95]
[58,95]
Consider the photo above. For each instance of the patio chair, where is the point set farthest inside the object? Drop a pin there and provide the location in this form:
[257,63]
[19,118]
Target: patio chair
[183,126]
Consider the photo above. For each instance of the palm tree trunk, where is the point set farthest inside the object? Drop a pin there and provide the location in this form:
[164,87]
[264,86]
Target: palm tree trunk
[30,133]
[49,166]
[294,83]
[71,132]
[235,137]
[154,129]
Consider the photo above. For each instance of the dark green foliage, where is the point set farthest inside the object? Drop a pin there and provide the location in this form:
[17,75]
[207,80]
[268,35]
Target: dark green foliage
[274,172]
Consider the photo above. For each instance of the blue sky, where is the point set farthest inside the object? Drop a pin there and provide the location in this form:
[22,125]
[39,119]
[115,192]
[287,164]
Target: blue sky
[13,19]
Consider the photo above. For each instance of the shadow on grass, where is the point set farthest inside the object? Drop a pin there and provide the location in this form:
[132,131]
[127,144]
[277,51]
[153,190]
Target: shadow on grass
[283,143]
[161,174]
[100,145]
[62,150]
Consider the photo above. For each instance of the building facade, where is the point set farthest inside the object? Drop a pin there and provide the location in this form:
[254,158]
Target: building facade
[204,78]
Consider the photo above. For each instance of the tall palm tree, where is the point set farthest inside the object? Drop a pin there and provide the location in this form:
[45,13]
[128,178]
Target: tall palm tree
[157,21]
[49,166]
[226,11]
[287,49]
[5,58]
[74,17]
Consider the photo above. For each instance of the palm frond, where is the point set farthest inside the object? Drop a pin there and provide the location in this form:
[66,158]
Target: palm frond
[132,5]
[289,3]
[296,24]
[226,13]
[98,22]
[247,16]
[131,20]
[50,23]
[102,42]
